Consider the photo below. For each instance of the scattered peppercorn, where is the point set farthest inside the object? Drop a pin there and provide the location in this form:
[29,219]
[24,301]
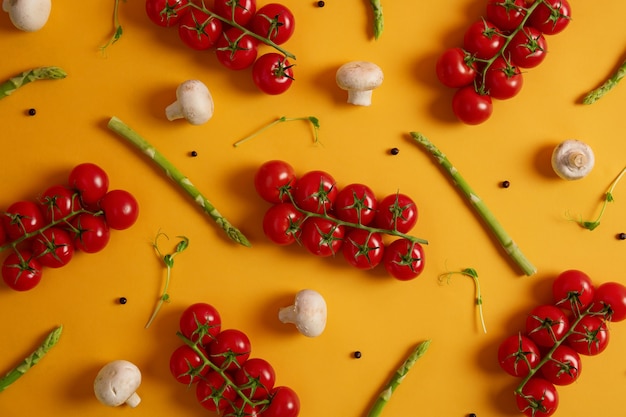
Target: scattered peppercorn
[123,300]
[32,112]
[321,4]
[193,153]
[394,151]
[621,236]
[505,184]
[471,415]
[357,354]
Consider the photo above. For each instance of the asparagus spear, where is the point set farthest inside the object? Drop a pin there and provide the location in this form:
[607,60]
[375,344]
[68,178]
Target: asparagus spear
[31,360]
[122,129]
[377,8]
[607,86]
[41,73]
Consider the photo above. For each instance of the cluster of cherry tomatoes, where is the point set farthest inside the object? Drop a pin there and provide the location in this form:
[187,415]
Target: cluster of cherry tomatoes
[227,380]
[496,49]
[63,219]
[547,353]
[234,29]
[313,211]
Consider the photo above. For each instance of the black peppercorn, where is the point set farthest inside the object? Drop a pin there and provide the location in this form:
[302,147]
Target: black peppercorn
[357,354]
[505,184]
[321,4]
[123,300]
[621,236]
[32,112]
[394,151]
[471,415]
[193,153]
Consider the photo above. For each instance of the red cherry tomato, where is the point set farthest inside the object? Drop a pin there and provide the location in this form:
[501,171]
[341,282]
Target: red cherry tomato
[58,202]
[274,181]
[230,349]
[363,249]
[573,290]
[236,50]
[503,80]
[54,247]
[91,232]
[214,393]
[483,40]
[610,298]
[539,398]
[322,237]
[90,181]
[563,367]
[316,192]
[403,259]
[166,13]
[396,212]
[272,73]
[200,322]
[284,402]
[255,378]
[21,218]
[551,16]
[546,324]
[282,224]
[273,21]
[356,203]
[187,366]
[506,15]
[471,107]
[199,30]
[528,48]
[456,68]
[590,336]
[120,208]
[21,271]
[241,11]
[518,354]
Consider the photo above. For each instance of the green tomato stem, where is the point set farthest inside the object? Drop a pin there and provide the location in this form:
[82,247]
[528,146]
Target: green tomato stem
[379,22]
[32,359]
[20,80]
[122,129]
[385,395]
[509,246]
[608,85]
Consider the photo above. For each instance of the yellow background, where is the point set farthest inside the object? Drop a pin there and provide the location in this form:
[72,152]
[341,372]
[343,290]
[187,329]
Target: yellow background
[368,311]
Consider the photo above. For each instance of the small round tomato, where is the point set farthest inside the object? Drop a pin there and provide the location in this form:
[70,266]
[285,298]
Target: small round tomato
[58,202]
[274,181]
[214,393]
[91,232]
[610,298]
[503,80]
[120,208]
[539,398]
[518,354]
[528,48]
[91,181]
[470,107]
[563,367]
[590,336]
[483,39]
[166,13]
[506,15]
[356,203]
[240,11]
[322,237]
[282,224]
[272,73]
[546,324]
[284,402]
[551,16]
[316,192]
[363,249]
[230,349]
[396,212]
[255,378]
[273,21]
[187,366]
[241,408]
[236,50]
[573,290]
[21,271]
[3,234]
[54,247]
[456,68]
[199,30]
[21,218]
[200,322]
[403,259]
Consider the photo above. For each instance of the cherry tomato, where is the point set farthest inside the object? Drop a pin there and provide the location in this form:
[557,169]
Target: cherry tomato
[546,324]
[230,349]
[590,336]
[241,11]
[274,181]
[403,259]
[518,354]
[166,13]
[563,367]
[363,249]
[120,209]
[528,48]
[322,237]
[91,232]
[21,271]
[199,30]
[539,398]
[284,402]
[456,68]
[610,298]
[214,393]
[53,247]
[471,107]
[483,39]
[272,73]
[396,212]
[273,21]
[187,366]
[239,408]
[282,224]
[90,181]
[316,192]
[3,234]
[58,202]
[356,203]
[551,16]
[503,80]
[236,50]
[21,218]
[573,290]
[200,322]
[256,378]
[506,14]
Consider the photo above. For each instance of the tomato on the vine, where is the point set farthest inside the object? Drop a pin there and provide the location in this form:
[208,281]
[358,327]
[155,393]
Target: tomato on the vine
[273,21]
[21,218]
[590,336]
[284,402]
[57,202]
[214,393]
[363,249]
[199,30]
[274,181]
[610,298]
[546,325]
[255,378]
[396,212]
[471,107]
[539,398]
[91,181]
[573,290]
[235,49]
[239,11]
[53,247]
[506,14]
[230,349]
[282,224]
[551,16]
[200,322]
[356,203]
[120,208]
[403,259]
[563,367]
[187,366]
[21,271]
[316,192]
[456,68]
[322,236]
[166,13]
[272,73]
[518,354]
[503,80]
[483,39]
[91,232]
[527,48]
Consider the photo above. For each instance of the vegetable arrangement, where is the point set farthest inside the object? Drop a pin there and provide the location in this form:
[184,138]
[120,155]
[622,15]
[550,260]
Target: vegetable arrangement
[65,218]
[547,352]
[227,379]
[313,211]
[496,49]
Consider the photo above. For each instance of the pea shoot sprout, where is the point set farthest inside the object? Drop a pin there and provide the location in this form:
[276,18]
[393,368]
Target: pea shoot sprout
[608,198]
[470,273]
[117,27]
[313,120]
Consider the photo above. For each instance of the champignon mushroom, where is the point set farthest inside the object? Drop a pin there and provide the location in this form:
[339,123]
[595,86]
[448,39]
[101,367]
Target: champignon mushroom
[116,384]
[308,313]
[359,78]
[572,159]
[193,102]
[28,15]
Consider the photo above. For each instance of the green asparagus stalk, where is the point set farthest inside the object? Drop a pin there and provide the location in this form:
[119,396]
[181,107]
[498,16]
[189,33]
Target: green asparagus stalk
[41,73]
[122,129]
[31,360]
[397,378]
[479,205]
[608,85]
[377,8]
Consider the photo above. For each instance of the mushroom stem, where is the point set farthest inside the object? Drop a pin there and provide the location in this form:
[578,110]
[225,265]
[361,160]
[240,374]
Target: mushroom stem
[360,98]
[576,159]
[133,401]
[287,314]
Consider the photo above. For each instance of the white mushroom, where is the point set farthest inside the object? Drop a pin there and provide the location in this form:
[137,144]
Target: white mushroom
[572,159]
[359,78]
[116,384]
[193,102]
[28,15]
[308,313]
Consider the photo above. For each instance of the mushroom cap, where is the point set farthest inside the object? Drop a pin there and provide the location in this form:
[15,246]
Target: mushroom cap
[117,382]
[572,159]
[28,15]
[194,103]
[359,76]
[308,313]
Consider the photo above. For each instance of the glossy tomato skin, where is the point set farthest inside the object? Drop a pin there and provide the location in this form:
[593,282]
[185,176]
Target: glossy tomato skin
[236,50]
[483,39]
[53,247]
[272,73]
[214,393]
[528,48]
[316,192]
[539,398]
[502,80]
[610,298]
[200,322]
[255,378]
[516,353]
[230,349]
[284,402]
[573,290]
[186,365]
[590,336]
[506,14]
[120,208]
[546,324]
[274,21]
[455,68]
[22,217]
[362,249]
[58,202]
[322,237]
[21,271]
[282,224]
[199,30]
[403,259]
[470,107]
[239,408]
[396,212]
[241,11]
[564,366]
[356,203]
[91,232]
[91,181]
[166,13]
[551,17]
[275,181]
